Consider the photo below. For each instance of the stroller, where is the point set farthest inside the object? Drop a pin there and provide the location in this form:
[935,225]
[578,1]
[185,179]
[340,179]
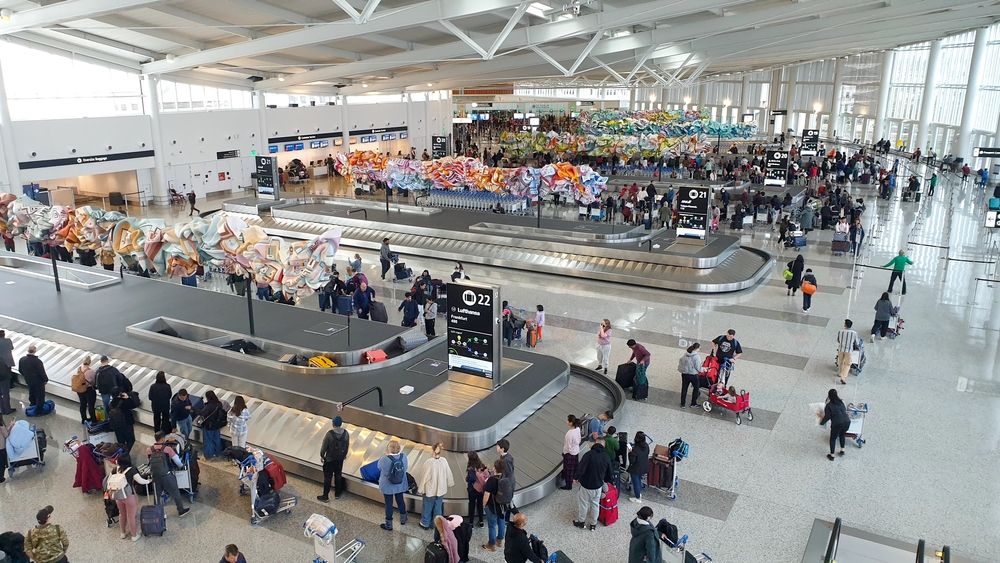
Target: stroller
[25,446]
[399,270]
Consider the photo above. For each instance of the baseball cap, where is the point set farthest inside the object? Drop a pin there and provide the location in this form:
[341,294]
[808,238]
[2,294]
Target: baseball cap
[44,514]
[337,421]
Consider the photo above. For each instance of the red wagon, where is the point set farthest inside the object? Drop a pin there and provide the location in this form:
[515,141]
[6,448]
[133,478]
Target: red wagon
[719,396]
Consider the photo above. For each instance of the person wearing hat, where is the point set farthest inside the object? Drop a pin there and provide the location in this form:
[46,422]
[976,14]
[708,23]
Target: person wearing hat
[644,546]
[336,445]
[46,542]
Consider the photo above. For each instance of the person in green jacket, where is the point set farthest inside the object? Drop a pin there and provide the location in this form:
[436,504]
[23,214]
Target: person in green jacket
[644,547]
[933,184]
[611,446]
[899,263]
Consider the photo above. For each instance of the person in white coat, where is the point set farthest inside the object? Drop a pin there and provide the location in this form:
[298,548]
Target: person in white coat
[435,480]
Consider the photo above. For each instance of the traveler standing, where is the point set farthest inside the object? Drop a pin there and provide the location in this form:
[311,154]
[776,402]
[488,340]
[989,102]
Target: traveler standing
[8,241]
[857,235]
[476,476]
[160,394]
[496,523]
[6,350]
[899,264]
[690,365]
[931,184]
[592,473]
[840,422]
[121,491]
[604,346]
[847,339]
[638,464]
[192,197]
[518,548]
[107,379]
[333,452]
[122,419]
[362,300]
[571,452]
[181,411]
[385,256]
[539,320]
[409,309]
[644,547]
[392,482]
[238,417]
[233,555]
[430,316]
[795,267]
[213,418]
[806,296]
[46,542]
[32,370]
[883,314]
[162,473]
[82,384]
[435,480]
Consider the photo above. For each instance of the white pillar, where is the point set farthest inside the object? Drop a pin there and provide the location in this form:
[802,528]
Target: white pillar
[701,97]
[790,87]
[161,194]
[774,99]
[881,112]
[631,98]
[927,101]
[744,96]
[7,145]
[972,96]
[838,88]
[995,161]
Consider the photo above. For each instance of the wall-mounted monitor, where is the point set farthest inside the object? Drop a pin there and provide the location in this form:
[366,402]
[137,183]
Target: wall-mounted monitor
[518,116]
[353,140]
[289,147]
[338,142]
[319,144]
[273,149]
[534,121]
[404,135]
[388,136]
[300,146]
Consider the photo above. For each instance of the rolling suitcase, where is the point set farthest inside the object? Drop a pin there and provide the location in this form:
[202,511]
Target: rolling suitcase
[608,514]
[640,391]
[378,313]
[153,519]
[343,305]
[410,340]
[625,376]
[435,553]
[532,337]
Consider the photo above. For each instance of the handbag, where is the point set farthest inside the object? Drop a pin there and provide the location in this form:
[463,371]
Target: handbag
[808,288]
[787,274]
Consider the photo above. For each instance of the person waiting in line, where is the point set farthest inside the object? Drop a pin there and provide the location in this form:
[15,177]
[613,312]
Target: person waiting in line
[592,473]
[883,314]
[181,411]
[476,475]
[82,384]
[355,262]
[238,417]
[213,419]
[160,395]
[856,235]
[570,452]
[336,446]
[32,370]
[496,524]
[362,300]
[122,417]
[161,456]
[435,480]
[638,464]
[835,412]
[644,547]
[518,547]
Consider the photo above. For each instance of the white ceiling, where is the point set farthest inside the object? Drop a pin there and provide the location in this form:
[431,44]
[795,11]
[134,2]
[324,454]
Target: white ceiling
[360,46]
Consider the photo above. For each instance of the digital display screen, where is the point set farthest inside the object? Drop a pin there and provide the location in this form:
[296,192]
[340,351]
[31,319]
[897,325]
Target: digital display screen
[404,135]
[388,136]
[300,146]
[692,212]
[775,168]
[273,149]
[289,147]
[472,345]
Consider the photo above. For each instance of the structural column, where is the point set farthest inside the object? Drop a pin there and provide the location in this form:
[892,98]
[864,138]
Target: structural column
[972,96]
[161,193]
[701,97]
[927,101]
[7,144]
[631,98]
[744,96]
[995,162]
[790,88]
[774,99]
[838,92]
[882,112]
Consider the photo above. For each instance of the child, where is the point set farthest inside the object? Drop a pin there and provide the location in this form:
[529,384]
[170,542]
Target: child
[539,320]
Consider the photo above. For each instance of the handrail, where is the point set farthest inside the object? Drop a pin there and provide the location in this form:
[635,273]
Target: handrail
[831,547]
[362,394]
[920,551]
[356,209]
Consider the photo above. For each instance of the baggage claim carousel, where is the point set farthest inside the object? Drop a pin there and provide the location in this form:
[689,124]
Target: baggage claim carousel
[585,249]
[148,325]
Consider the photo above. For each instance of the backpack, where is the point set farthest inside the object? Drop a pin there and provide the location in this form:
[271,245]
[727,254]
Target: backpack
[584,422]
[397,474]
[340,446]
[538,547]
[79,381]
[678,449]
[106,379]
[118,486]
[482,475]
[159,466]
[505,491]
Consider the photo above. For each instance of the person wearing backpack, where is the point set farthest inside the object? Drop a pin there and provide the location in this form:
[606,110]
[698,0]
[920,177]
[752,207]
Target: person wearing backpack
[121,418]
[107,378]
[159,401]
[213,418]
[497,502]
[592,473]
[119,489]
[476,476]
[333,452]
[82,384]
[392,482]
[435,480]
[160,456]
[46,542]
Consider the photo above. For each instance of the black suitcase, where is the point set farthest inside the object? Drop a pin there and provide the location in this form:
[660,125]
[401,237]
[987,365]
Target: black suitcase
[378,313]
[625,376]
[435,553]
[152,520]
[344,305]
[640,391]
[267,504]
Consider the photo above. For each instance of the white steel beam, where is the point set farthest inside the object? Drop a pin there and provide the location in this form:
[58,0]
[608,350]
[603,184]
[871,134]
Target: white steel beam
[505,32]
[642,60]
[69,10]
[611,71]
[586,51]
[550,60]
[412,15]
[275,11]
[205,21]
[453,29]
[61,32]
[165,35]
[366,14]
[349,10]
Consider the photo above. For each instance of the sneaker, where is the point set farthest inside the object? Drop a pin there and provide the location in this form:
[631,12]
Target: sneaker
[605,371]
[633,499]
[124,535]
[489,547]
[829,457]
[593,527]
[841,452]
[323,498]
[694,406]
[181,513]
[873,338]
[481,524]
[599,368]
[336,496]
[136,537]
[580,525]
[385,527]
[682,405]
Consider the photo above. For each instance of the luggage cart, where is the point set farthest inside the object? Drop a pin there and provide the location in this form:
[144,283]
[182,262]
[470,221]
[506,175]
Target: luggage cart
[324,535]
[33,454]
[250,469]
[857,412]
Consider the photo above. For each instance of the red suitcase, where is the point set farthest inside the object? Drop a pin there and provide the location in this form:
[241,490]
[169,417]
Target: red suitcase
[609,507]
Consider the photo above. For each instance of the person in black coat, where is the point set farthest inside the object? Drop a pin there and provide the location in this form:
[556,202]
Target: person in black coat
[159,400]
[638,463]
[122,419]
[796,267]
[836,413]
[517,548]
[33,371]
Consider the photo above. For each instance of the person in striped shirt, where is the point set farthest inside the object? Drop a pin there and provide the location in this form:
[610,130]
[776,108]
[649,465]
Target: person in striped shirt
[846,340]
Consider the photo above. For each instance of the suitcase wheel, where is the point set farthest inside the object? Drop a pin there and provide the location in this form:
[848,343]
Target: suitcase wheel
[707,406]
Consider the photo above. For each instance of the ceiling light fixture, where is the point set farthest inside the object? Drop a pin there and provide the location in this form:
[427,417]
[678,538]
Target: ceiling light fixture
[727,102]
[429,84]
[687,99]
[170,57]
[364,84]
[6,14]
[281,78]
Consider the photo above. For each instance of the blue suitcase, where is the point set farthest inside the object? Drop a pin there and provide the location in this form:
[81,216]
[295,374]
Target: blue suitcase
[47,407]
[345,305]
[370,472]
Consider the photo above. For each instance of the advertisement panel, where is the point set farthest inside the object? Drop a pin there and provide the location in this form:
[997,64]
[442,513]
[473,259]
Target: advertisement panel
[473,329]
[692,212]
[775,168]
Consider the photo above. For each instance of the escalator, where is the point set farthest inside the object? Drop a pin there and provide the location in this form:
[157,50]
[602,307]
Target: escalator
[836,543]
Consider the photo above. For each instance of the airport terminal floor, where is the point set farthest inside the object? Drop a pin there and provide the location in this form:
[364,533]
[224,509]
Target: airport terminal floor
[747,493]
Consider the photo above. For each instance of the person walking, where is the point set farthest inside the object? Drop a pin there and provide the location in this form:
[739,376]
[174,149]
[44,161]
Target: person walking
[518,547]
[638,464]
[883,314]
[32,370]
[120,490]
[160,394]
[385,256]
[435,480]
[333,452]
[238,417]
[192,198]
[571,452]
[213,419]
[847,339]
[82,383]
[181,411]
[807,295]
[430,316]
[410,310]
[899,264]
[796,267]
[592,473]
[476,476]
[46,542]
[604,346]
[644,547]
[162,473]
[689,366]
[392,482]
[233,555]
[835,412]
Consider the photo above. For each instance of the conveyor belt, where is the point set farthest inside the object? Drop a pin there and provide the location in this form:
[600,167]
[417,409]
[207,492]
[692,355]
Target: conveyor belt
[741,270]
[294,436]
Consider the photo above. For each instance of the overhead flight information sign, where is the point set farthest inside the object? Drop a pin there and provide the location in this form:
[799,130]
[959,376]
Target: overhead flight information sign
[810,142]
[692,212]
[268,182]
[775,168]
[473,329]
[439,146]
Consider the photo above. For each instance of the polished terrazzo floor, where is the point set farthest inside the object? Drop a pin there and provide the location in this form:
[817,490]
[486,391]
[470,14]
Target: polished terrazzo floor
[749,493]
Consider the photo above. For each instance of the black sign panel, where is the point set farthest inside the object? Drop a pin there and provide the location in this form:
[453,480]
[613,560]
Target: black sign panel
[473,333]
[309,137]
[775,168]
[267,177]
[439,146]
[72,161]
[692,212]
[986,152]
[377,131]
[235,153]
[779,112]
[810,142]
